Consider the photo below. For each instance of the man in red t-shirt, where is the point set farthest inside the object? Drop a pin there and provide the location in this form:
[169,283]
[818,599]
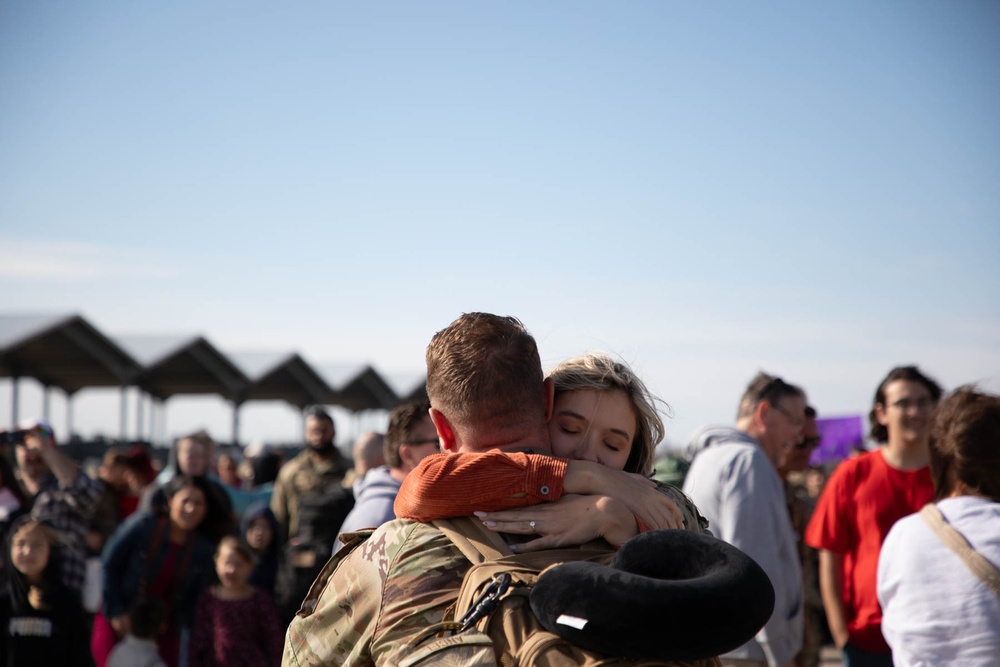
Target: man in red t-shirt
[865,496]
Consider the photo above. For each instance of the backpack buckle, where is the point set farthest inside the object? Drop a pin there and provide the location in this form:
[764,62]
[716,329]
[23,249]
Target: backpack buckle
[486,602]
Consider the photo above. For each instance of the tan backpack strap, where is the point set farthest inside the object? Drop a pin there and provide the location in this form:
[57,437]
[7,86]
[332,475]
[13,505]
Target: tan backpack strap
[473,539]
[955,541]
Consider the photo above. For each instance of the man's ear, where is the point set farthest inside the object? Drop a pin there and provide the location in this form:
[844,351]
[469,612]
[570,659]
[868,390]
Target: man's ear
[760,414]
[880,415]
[406,456]
[549,391]
[444,430]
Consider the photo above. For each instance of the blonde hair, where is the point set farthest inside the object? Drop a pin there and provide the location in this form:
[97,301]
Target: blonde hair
[601,373]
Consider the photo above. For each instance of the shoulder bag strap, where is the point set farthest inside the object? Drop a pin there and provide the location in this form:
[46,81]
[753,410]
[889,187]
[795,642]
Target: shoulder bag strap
[472,539]
[955,541]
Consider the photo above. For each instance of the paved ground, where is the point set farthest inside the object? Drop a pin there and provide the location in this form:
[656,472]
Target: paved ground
[830,657]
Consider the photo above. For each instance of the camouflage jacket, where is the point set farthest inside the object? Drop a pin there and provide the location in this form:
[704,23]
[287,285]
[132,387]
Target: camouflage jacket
[303,475]
[364,609]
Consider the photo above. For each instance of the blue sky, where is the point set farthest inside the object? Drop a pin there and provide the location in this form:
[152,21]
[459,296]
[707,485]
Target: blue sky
[704,190]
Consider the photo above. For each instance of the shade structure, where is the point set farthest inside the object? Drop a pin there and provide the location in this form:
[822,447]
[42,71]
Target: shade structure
[283,376]
[66,351]
[357,387]
[63,351]
[408,386]
[184,365]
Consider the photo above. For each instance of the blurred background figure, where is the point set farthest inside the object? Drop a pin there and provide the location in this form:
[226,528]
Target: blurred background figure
[310,501]
[163,553]
[60,494]
[865,496]
[368,453]
[191,456]
[14,503]
[112,477]
[138,648]
[226,468]
[734,481]
[41,619]
[236,624]
[935,609]
[139,475]
[409,438]
[260,530]
[792,471]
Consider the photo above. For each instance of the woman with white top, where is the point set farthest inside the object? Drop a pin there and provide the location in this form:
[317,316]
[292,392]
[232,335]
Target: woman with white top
[936,611]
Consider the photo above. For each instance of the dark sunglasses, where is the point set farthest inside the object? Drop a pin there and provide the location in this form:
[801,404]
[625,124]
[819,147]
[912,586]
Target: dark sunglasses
[809,441]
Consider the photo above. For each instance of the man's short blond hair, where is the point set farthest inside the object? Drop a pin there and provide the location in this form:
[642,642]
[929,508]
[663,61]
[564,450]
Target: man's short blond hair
[483,370]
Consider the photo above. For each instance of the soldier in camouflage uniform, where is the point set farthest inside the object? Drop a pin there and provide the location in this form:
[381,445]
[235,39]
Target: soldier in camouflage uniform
[317,466]
[487,391]
[310,502]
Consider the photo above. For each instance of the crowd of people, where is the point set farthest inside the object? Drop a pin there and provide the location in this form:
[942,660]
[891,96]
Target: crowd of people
[243,558]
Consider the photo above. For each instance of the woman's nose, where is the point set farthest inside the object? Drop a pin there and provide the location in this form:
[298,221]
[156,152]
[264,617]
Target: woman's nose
[585,451]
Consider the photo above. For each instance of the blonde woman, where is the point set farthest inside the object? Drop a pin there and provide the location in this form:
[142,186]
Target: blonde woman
[603,428]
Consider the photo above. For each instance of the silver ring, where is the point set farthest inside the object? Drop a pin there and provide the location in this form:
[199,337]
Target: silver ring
[532,524]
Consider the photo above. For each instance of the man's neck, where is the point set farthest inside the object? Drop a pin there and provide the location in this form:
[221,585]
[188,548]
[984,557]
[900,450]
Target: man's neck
[907,455]
[536,441]
[324,454]
[747,426]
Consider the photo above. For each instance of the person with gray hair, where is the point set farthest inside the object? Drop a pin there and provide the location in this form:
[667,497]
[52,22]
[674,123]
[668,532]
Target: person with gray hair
[736,485]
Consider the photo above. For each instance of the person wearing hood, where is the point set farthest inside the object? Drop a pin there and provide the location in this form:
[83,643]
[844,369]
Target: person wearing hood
[411,436]
[259,528]
[734,481]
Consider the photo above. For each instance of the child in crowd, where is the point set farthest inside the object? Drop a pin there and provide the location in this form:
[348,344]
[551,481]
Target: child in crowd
[41,621]
[226,469]
[236,623]
[260,529]
[138,649]
[14,502]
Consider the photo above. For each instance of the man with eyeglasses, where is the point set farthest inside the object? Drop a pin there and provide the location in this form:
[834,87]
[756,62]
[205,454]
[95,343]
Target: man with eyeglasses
[865,496]
[410,437]
[734,481]
[800,509]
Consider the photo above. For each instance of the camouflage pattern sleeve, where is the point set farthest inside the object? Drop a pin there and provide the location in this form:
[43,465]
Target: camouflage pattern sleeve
[338,616]
[279,505]
[371,604]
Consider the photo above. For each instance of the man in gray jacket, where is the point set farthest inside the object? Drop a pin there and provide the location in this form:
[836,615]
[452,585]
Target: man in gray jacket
[734,482]
[409,438]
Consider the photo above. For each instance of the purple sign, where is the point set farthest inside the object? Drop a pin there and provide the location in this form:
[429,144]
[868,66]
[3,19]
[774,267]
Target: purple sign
[840,435]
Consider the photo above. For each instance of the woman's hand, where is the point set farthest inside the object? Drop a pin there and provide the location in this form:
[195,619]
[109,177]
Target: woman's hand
[638,493]
[570,521]
[121,624]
